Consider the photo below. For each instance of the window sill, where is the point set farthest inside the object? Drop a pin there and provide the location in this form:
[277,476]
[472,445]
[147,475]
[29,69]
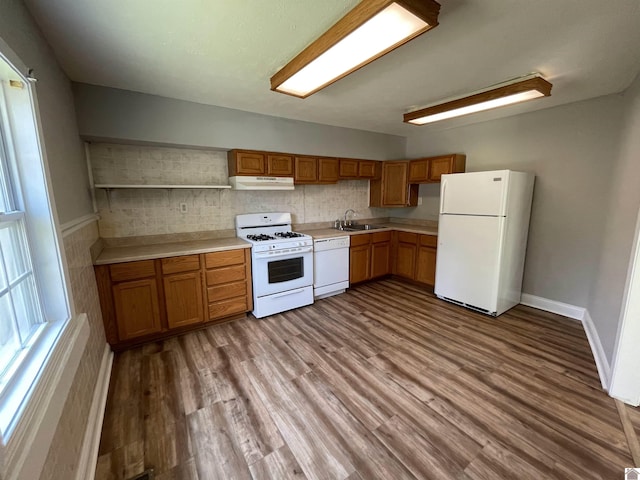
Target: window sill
[31,408]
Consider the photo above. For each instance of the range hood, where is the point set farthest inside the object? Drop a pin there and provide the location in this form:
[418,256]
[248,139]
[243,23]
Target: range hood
[261,183]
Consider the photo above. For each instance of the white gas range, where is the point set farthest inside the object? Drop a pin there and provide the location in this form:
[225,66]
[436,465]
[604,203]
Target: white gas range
[282,262]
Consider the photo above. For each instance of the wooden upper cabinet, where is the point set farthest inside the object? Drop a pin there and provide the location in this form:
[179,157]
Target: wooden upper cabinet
[367,169]
[328,170]
[349,168]
[439,166]
[279,165]
[305,170]
[252,163]
[419,171]
[243,162]
[429,170]
[395,185]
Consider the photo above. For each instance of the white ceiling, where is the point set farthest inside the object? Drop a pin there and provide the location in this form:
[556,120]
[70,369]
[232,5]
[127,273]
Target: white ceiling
[224,53]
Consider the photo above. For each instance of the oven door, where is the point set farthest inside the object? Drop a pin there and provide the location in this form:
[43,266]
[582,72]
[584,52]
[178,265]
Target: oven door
[275,273]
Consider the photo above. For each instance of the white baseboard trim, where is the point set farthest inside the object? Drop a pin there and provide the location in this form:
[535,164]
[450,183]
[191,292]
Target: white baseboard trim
[91,441]
[581,314]
[553,306]
[602,364]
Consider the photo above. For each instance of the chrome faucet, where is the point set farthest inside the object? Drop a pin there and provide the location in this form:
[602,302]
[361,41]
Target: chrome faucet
[346,214]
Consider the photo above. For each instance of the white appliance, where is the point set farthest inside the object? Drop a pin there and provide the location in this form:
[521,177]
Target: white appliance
[330,266]
[281,262]
[261,183]
[482,238]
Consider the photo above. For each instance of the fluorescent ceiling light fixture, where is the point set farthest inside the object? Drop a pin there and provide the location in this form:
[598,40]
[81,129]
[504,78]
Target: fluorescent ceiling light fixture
[371,29]
[521,90]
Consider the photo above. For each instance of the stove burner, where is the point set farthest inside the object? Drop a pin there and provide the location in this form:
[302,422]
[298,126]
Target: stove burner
[260,237]
[288,234]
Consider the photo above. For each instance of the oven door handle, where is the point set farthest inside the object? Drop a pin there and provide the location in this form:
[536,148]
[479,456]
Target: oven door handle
[276,255]
[290,292]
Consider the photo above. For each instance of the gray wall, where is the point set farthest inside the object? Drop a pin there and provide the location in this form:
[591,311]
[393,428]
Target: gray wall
[571,150]
[607,290]
[114,115]
[63,146]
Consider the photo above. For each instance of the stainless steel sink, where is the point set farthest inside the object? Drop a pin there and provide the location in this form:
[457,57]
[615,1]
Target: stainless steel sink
[359,227]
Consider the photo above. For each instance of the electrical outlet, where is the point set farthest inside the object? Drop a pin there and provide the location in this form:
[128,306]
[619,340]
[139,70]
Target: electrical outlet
[183,208]
[419,200]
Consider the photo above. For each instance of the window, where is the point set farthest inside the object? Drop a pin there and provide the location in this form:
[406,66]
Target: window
[21,315]
[34,302]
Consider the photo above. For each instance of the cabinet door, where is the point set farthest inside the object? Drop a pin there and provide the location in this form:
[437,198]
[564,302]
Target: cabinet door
[248,163]
[426,265]
[366,169]
[419,170]
[406,260]
[280,165]
[137,308]
[359,263]
[380,259]
[328,170]
[394,184]
[349,168]
[306,170]
[439,166]
[183,299]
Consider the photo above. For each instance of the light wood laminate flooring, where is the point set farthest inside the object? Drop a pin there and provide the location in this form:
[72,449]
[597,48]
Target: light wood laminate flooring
[383,382]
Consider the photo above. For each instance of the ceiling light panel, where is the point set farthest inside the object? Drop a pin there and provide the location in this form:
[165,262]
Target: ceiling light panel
[507,94]
[371,29]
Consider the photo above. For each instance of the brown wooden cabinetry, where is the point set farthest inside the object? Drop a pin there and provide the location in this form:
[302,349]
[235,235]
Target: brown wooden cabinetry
[429,170]
[228,280]
[369,256]
[315,170]
[150,299]
[426,261]
[414,257]
[252,163]
[182,281]
[351,168]
[392,189]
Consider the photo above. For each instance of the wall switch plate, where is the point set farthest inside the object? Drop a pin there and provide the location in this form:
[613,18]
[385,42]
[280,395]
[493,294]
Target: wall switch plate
[183,208]
[419,200]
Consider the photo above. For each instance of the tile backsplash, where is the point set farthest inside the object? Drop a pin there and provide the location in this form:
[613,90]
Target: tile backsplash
[136,212]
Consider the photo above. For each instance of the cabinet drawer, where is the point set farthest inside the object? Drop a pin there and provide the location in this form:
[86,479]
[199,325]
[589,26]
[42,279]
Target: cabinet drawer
[406,237]
[381,237]
[185,263]
[227,307]
[121,272]
[221,259]
[362,239]
[229,290]
[429,240]
[219,276]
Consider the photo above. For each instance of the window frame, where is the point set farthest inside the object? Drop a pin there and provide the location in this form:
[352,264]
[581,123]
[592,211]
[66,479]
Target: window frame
[32,400]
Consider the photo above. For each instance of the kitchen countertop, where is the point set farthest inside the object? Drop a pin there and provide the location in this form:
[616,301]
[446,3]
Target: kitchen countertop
[402,227]
[149,252]
[173,249]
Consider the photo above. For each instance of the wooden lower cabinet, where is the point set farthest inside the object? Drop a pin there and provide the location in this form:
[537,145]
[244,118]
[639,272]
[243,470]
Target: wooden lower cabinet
[369,256]
[183,299]
[151,299]
[228,280]
[137,308]
[414,257]
[359,263]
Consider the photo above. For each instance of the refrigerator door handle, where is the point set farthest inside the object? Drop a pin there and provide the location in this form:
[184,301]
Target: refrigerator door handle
[442,195]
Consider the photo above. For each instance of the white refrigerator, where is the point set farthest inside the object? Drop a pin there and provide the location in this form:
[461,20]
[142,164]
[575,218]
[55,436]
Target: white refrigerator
[482,238]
